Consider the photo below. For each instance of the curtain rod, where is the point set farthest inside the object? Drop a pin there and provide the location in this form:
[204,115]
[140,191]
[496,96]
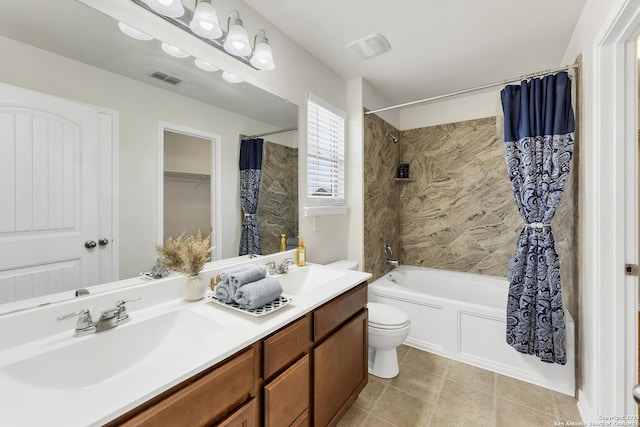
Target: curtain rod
[473,89]
[270,133]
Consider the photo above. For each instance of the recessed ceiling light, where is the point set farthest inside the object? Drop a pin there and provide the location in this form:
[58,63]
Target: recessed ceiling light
[134,32]
[173,51]
[231,78]
[204,65]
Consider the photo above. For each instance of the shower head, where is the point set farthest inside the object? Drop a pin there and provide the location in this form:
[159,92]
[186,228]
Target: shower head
[393,138]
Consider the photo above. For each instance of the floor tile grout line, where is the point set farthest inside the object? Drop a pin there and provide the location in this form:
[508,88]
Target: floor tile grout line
[524,405]
[435,402]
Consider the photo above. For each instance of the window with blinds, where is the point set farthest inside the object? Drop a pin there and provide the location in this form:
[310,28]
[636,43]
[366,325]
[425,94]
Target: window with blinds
[325,158]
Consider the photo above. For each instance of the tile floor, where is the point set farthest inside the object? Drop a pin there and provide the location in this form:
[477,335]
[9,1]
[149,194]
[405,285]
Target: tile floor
[435,391]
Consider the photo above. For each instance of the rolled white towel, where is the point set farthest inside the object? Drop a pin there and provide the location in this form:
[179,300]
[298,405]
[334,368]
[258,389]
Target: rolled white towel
[256,294]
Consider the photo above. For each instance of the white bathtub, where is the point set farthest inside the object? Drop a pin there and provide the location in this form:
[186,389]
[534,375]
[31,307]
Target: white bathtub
[462,316]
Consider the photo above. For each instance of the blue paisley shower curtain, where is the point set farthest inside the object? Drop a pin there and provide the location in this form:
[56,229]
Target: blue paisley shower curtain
[250,174]
[538,133]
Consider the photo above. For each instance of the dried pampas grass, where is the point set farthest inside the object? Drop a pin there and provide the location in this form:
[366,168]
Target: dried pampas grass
[186,254]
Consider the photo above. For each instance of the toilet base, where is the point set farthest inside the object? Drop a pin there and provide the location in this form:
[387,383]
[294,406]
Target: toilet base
[383,362]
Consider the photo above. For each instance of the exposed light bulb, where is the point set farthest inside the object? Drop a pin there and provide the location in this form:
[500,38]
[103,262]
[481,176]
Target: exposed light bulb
[170,8]
[237,42]
[262,57]
[173,51]
[205,21]
[134,32]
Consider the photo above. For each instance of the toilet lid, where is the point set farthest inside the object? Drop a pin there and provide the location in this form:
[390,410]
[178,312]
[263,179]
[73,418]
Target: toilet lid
[384,316]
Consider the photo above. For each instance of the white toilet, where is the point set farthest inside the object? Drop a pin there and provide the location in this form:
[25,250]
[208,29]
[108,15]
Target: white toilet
[388,328]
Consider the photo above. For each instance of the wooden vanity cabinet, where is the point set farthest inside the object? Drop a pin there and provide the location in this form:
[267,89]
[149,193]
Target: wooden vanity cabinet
[340,358]
[307,373]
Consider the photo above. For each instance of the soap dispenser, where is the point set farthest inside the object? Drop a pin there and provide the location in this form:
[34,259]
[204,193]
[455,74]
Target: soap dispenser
[301,253]
[283,242]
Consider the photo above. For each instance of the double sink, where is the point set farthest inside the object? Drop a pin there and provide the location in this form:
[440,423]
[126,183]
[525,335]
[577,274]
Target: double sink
[166,341]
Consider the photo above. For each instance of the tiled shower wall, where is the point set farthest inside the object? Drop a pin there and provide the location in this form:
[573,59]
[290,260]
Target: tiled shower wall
[459,213]
[278,199]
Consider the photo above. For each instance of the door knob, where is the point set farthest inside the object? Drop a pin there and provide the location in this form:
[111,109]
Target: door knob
[636,393]
[89,244]
[103,242]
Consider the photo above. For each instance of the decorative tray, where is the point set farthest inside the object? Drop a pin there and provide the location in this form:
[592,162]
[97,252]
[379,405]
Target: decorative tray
[274,305]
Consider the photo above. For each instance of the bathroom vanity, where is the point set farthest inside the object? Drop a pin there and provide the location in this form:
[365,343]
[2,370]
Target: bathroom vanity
[208,365]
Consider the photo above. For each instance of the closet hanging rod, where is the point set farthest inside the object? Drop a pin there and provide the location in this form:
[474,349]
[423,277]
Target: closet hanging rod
[270,133]
[473,89]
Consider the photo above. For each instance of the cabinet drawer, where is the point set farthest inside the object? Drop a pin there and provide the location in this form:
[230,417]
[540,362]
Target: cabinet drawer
[207,398]
[247,416]
[285,345]
[302,420]
[287,396]
[334,313]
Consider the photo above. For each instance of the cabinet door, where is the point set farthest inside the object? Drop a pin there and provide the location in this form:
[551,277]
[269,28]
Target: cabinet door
[287,396]
[339,371]
[247,416]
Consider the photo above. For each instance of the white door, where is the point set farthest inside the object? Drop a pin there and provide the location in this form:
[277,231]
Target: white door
[51,195]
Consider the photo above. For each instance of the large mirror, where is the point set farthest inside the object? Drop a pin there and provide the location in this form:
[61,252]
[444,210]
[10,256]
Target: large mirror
[67,49]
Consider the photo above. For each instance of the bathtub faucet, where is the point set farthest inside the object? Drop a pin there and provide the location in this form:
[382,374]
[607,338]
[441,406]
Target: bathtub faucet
[393,262]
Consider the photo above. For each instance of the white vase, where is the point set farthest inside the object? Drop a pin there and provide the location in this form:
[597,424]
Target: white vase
[194,288]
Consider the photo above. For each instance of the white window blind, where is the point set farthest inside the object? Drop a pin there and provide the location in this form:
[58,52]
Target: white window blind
[325,158]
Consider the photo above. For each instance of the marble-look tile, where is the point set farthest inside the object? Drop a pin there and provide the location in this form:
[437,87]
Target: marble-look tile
[532,396]
[467,402]
[459,214]
[371,393]
[426,361]
[403,409]
[355,417]
[278,199]
[418,382]
[479,379]
[566,407]
[510,414]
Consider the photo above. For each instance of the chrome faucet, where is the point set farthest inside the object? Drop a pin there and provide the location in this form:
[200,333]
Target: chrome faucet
[273,268]
[284,265]
[393,262]
[108,319]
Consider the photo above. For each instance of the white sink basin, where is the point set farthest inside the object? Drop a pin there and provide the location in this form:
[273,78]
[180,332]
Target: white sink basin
[99,358]
[303,279]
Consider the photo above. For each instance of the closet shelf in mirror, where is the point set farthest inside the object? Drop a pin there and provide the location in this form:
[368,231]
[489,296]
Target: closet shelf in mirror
[405,179]
[187,175]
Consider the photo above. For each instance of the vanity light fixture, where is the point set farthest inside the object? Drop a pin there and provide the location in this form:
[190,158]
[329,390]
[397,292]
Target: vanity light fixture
[231,78]
[200,19]
[205,21]
[173,51]
[170,8]
[237,41]
[133,32]
[205,66]
[262,57]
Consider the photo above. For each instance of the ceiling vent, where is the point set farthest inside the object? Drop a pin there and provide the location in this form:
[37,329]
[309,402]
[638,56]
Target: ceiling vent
[369,46]
[166,78]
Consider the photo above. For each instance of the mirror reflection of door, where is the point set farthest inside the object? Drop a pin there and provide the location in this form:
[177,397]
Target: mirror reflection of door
[187,184]
[56,228]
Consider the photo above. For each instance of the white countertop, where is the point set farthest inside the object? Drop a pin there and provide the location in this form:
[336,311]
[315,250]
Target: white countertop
[217,333]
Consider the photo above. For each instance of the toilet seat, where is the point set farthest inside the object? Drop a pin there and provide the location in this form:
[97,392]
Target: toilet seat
[386,317]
